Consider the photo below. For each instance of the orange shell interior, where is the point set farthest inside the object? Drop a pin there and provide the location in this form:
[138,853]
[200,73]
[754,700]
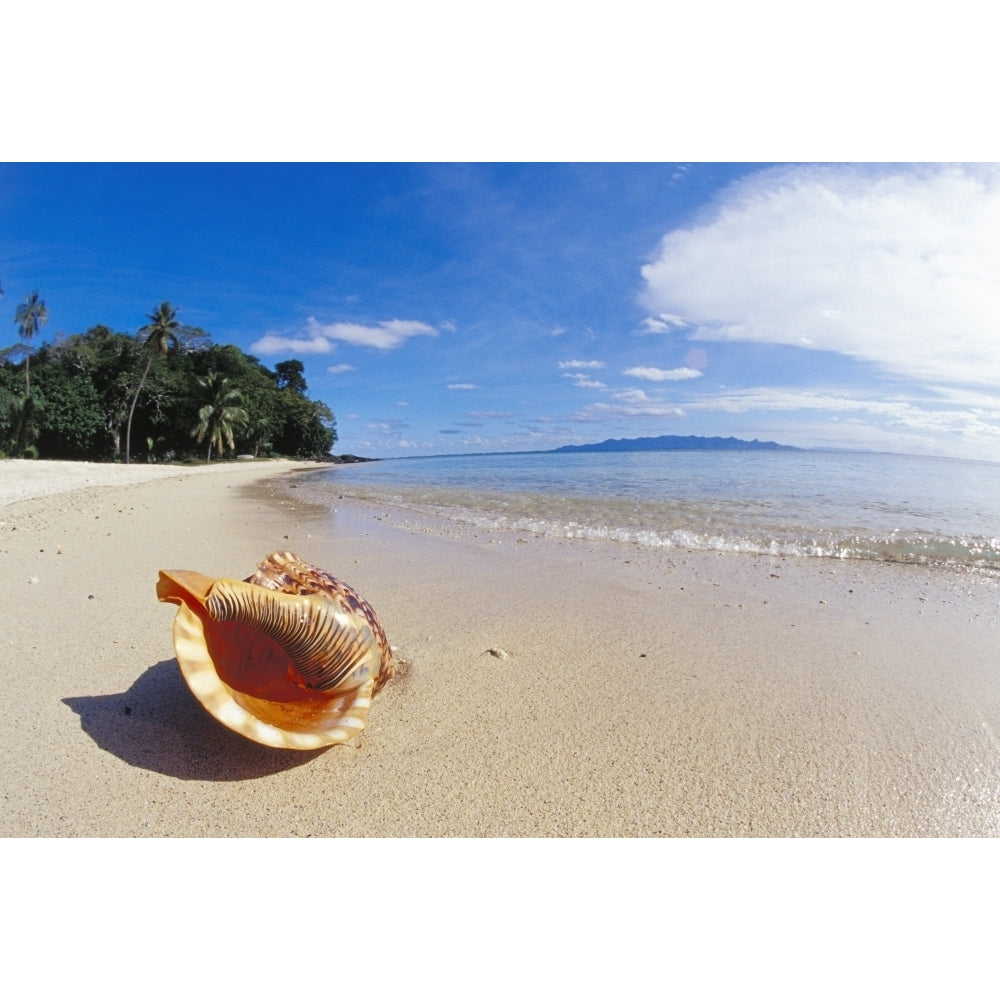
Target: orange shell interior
[244,678]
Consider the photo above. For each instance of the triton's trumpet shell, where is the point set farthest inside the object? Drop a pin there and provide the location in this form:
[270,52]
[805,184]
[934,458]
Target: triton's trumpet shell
[289,657]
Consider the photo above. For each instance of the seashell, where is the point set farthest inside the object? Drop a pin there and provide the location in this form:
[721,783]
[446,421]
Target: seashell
[290,657]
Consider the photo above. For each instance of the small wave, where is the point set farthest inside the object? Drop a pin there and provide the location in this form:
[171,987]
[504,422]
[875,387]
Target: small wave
[930,550]
[712,526]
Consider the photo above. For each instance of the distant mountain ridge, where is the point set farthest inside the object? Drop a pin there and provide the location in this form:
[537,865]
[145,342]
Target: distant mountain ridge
[674,442]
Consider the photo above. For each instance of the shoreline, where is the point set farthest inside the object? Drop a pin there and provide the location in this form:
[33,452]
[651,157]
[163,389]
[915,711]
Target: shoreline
[645,694]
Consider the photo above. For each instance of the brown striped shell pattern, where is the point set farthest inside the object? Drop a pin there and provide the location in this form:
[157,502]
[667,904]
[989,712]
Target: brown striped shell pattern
[290,657]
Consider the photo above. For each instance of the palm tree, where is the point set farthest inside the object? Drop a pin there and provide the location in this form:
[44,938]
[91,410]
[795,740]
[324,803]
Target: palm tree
[31,316]
[23,427]
[161,332]
[220,415]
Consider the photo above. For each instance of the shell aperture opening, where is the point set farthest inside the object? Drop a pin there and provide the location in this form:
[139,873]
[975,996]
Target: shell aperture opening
[324,646]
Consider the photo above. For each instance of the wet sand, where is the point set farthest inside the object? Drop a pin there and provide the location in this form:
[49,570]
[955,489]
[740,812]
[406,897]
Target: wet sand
[636,694]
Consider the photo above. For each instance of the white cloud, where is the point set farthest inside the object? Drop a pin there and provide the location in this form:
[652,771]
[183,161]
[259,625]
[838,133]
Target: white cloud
[387,335]
[340,369]
[273,343]
[902,414]
[597,412]
[576,365]
[387,426]
[663,374]
[896,266]
[463,386]
[664,323]
[774,398]
[321,338]
[582,381]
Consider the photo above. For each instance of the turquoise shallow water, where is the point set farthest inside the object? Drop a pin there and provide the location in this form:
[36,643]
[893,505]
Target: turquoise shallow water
[841,505]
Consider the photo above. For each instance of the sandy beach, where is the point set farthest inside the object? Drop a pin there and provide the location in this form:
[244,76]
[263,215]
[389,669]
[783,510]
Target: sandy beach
[640,693]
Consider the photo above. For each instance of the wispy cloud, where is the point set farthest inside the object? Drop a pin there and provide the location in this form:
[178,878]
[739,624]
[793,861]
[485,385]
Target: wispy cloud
[664,323]
[340,369]
[634,396]
[462,386]
[582,381]
[901,414]
[387,426]
[896,266]
[663,374]
[322,338]
[600,412]
[578,365]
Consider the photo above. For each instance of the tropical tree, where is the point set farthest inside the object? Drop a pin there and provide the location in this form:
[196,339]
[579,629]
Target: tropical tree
[22,422]
[71,422]
[291,375]
[161,334]
[309,428]
[220,415]
[30,317]
[110,362]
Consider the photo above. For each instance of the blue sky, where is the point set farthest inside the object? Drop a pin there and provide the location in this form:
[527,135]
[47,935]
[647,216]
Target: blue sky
[447,307]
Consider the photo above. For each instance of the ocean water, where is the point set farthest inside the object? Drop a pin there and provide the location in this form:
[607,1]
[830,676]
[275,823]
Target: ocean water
[840,505]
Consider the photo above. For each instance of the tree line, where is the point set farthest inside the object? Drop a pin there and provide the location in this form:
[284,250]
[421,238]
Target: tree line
[166,393]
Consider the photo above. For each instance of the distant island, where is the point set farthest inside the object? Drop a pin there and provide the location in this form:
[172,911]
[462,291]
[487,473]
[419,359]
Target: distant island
[346,459]
[673,442]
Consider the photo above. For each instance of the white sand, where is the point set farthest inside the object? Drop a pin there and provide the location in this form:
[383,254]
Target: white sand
[23,479]
[645,694]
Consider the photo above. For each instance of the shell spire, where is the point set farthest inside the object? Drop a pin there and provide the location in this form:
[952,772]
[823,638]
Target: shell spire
[290,657]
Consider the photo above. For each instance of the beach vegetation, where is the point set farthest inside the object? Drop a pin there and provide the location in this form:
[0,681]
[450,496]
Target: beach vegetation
[96,392]
[19,419]
[70,420]
[220,415]
[152,448]
[291,375]
[160,335]
[30,316]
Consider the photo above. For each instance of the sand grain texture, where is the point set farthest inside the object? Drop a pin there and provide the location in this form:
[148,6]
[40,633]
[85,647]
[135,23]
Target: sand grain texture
[643,693]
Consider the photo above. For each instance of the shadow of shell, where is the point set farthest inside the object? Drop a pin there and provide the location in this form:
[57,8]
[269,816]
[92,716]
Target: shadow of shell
[157,725]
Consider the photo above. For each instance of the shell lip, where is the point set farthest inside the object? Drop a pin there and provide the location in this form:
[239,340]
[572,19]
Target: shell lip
[174,585]
[334,720]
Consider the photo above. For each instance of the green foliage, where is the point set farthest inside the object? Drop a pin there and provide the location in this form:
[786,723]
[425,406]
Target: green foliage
[308,429]
[161,335]
[291,375]
[71,422]
[21,425]
[31,316]
[91,392]
[220,414]
[111,363]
